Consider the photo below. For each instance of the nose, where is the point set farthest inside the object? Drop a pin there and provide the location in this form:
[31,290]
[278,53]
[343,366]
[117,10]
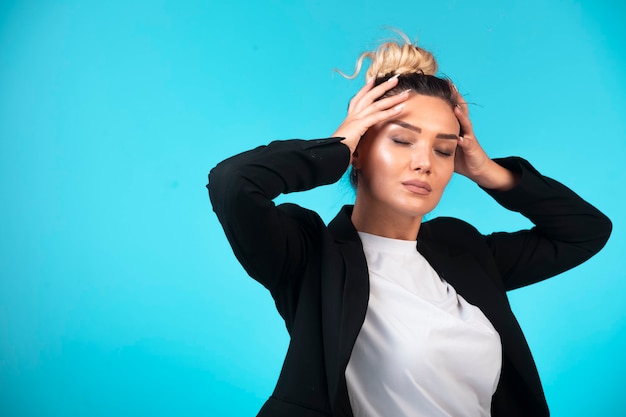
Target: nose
[421,159]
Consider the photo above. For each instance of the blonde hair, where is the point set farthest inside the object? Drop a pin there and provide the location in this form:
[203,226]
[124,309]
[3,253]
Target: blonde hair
[396,57]
[416,68]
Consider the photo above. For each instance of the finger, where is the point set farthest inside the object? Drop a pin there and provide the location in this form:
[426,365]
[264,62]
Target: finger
[359,95]
[384,104]
[464,120]
[462,103]
[376,92]
[467,140]
[459,98]
[383,115]
[379,90]
[377,112]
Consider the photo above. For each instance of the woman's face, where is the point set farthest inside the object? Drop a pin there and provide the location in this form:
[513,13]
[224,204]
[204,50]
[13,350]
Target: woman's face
[405,164]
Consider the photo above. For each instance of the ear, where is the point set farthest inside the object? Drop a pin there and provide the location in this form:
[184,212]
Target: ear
[356,162]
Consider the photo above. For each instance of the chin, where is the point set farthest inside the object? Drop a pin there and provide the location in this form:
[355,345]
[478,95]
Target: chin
[414,211]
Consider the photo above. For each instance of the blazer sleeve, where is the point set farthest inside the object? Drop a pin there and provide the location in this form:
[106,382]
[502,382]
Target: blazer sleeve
[567,230]
[271,242]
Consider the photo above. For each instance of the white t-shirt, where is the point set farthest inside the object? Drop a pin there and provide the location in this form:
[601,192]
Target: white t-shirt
[423,350]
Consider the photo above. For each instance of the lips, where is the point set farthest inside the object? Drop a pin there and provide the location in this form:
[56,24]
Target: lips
[417,187]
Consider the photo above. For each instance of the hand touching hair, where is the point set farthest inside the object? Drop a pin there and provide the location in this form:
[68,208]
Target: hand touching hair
[397,68]
[415,67]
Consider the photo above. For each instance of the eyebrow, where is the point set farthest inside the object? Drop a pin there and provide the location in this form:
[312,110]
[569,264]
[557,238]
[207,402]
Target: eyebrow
[419,129]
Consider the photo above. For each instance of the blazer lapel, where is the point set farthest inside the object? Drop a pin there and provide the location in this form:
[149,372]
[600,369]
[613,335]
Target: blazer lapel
[474,284]
[345,289]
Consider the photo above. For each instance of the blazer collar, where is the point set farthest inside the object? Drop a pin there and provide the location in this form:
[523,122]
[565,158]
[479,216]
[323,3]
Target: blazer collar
[454,267]
[346,296]
[479,287]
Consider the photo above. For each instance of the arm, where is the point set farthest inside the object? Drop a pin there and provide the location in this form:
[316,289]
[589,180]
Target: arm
[269,243]
[567,231]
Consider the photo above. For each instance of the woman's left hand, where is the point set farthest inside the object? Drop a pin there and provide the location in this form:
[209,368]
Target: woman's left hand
[471,160]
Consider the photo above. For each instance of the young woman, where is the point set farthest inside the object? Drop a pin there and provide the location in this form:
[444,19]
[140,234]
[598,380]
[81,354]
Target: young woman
[389,315]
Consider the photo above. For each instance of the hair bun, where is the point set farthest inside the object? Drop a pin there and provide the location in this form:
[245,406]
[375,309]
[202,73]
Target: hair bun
[393,57]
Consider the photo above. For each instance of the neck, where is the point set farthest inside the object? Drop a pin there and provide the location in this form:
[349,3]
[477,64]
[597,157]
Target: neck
[385,222]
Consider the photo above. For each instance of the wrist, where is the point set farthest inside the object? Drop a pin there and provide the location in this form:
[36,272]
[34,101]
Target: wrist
[495,177]
[350,143]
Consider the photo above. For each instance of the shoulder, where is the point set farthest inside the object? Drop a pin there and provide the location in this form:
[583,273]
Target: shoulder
[456,235]
[444,229]
[300,213]
[309,222]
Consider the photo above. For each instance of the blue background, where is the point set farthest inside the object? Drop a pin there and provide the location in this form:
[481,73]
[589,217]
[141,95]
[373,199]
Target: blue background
[118,292]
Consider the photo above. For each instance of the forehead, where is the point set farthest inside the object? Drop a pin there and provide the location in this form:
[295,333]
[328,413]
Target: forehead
[429,113]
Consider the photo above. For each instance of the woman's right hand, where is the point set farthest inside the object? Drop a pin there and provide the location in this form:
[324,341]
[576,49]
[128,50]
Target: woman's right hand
[364,111]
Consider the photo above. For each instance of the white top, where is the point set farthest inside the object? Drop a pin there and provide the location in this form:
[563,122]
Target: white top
[423,350]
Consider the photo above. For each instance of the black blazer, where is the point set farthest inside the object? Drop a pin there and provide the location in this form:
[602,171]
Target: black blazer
[318,275]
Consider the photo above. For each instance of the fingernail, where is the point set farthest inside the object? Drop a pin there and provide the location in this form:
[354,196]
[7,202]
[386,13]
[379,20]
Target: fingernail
[407,91]
[398,107]
[393,78]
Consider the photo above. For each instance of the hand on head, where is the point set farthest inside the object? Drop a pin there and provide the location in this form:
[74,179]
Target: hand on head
[470,159]
[366,110]
[374,104]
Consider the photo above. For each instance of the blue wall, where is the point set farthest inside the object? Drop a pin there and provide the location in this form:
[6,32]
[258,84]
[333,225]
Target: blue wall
[118,292]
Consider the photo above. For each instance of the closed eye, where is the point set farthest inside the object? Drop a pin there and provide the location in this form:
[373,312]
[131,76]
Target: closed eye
[444,152]
[400,141]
